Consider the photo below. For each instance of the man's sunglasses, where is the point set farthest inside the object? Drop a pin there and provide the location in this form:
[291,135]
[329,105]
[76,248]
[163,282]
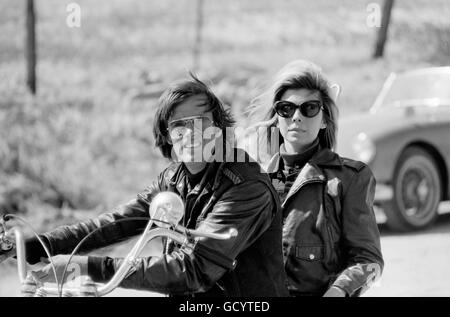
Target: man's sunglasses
[308,109]
[178,128]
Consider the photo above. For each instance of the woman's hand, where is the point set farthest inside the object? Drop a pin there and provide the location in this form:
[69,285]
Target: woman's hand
[78,267]
[334,292]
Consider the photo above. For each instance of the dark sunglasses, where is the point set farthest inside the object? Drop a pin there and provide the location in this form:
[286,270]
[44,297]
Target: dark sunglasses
[308,109]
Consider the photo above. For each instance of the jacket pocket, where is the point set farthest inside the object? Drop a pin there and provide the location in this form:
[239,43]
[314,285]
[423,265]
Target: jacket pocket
[310,252]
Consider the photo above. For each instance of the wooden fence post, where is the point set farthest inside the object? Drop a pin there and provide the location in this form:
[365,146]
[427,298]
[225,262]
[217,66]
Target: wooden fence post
[198,34]
[30,46]
[383,31]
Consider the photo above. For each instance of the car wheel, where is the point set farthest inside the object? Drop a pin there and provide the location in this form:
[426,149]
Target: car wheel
[417,191]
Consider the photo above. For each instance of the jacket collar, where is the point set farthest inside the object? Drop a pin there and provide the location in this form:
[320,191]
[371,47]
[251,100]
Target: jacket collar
[212,178]
[324,157]
[311,172]
[178,179]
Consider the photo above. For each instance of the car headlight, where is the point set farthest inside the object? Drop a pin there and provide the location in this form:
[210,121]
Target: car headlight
[363,147]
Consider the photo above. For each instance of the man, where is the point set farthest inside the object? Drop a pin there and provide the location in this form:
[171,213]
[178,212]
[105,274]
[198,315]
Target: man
[218,196]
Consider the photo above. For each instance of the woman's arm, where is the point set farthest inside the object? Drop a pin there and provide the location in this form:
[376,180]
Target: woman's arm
[360,235]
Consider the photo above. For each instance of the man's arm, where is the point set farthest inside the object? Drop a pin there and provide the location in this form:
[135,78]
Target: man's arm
[65,238]
[247,207]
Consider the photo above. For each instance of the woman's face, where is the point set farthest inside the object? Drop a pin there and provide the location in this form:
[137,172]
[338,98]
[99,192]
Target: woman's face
[300,132]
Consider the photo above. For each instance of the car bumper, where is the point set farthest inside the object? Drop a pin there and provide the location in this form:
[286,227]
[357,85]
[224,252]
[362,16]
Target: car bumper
[383,192]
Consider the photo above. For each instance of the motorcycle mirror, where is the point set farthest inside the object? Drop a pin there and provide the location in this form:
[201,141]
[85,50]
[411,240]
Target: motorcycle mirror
[167,207]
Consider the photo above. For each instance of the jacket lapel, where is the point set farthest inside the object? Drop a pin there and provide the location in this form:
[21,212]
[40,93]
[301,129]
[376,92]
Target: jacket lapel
[308,174]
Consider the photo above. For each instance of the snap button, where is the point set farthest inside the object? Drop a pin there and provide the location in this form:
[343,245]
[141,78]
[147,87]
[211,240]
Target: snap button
[312,257]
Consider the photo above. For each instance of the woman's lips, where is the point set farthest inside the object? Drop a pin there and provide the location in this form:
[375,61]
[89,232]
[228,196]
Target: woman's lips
[296,130]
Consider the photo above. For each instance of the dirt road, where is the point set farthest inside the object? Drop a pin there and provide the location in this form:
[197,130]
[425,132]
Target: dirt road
[416,265]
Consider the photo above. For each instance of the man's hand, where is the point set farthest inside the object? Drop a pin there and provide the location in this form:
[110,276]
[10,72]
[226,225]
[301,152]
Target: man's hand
[78,267]
[334,292]
[7,245]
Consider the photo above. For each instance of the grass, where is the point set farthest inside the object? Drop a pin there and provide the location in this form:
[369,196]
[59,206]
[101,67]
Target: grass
[84,143]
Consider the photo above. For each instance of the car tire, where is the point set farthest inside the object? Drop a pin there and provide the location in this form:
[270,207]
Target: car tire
[417,191]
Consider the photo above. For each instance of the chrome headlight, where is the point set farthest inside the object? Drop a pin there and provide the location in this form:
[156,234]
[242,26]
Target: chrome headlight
[363,147]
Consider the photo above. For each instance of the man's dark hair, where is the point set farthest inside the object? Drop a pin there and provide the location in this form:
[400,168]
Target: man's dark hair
[177,93]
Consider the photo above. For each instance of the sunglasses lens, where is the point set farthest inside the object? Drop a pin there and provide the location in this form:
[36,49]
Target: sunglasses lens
[310,108]
[178,128]
[285,109]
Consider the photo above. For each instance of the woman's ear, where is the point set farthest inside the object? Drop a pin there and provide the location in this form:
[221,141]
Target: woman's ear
[323,125]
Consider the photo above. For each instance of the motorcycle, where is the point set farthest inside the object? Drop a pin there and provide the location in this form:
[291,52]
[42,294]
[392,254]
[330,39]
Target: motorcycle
[166,211]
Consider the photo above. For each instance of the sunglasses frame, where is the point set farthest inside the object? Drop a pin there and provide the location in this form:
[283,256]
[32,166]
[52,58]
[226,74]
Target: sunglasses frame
[298,106]
[191,118]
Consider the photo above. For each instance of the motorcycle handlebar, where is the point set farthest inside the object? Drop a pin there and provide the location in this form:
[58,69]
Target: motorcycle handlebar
[180,235]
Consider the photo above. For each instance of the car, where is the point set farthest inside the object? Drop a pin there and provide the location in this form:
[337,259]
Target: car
[405,139]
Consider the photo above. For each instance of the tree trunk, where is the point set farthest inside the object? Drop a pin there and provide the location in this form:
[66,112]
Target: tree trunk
[383,31]
[30,46]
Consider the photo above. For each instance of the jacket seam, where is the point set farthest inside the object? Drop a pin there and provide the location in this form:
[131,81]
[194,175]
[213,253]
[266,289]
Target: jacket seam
[350,184]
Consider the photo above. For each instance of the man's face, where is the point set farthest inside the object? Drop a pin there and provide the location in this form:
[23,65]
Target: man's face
[186,126]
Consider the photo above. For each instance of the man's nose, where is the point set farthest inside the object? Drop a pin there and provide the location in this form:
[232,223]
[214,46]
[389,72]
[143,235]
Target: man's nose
[192,135]
[297,115]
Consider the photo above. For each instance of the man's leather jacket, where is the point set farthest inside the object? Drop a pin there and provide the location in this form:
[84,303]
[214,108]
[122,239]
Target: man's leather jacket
[230,195]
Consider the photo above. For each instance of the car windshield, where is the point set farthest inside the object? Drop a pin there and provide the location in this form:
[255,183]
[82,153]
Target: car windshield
[417,86]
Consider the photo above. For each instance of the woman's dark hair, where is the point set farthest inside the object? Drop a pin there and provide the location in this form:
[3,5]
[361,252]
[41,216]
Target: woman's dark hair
[176,94]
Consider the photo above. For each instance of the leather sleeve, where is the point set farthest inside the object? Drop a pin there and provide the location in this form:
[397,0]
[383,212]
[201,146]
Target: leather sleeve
[247,207]
[108,230]
[361,237]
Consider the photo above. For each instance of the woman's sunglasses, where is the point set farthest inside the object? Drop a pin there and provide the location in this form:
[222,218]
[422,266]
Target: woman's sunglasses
[308,109]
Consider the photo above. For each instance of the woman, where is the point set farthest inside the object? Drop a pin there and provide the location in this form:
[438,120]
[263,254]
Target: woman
[330,237]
